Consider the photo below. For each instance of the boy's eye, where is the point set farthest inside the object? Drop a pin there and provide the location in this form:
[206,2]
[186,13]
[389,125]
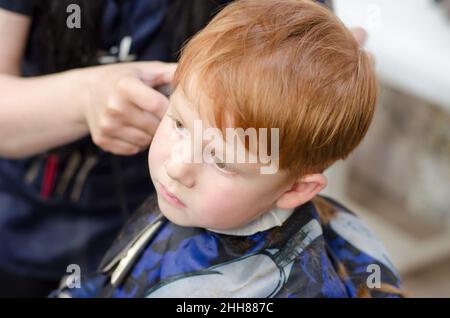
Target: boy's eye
[219,163]
[178,124]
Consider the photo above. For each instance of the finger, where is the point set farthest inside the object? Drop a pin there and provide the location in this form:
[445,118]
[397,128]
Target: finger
[134,116]
[144,96]
[156,73]
[371,58]
[133,136]
[121,148]
[359,34]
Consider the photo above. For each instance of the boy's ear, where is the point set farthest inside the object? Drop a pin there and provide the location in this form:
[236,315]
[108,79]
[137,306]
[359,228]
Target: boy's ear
[303,190]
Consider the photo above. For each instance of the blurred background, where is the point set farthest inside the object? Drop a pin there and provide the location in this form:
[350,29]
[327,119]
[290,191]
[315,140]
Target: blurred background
[400,174]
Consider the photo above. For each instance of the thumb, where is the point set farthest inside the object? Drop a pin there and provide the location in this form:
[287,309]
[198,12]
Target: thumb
[156,73]
[359,34]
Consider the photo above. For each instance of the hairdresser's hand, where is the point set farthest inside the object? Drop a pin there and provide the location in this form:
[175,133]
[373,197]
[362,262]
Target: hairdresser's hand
[359,34]
[361,37]
[121,108]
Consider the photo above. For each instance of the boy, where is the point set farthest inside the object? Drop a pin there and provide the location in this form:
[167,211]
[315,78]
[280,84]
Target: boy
[221,228]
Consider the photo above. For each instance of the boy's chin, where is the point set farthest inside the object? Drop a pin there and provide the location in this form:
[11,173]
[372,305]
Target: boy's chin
[170,213]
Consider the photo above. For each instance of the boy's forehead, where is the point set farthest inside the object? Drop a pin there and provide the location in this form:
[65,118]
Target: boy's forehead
[192,105]
[179,96]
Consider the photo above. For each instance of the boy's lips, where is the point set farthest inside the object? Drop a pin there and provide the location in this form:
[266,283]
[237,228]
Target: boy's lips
[170,197]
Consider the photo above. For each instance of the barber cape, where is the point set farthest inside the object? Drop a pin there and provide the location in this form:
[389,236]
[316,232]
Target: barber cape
[321,250]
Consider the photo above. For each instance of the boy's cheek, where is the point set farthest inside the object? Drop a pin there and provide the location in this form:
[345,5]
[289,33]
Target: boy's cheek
[160,146]
[223,201]
[156,154]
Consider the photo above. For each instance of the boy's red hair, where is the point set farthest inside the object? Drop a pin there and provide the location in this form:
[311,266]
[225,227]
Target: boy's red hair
[287,64]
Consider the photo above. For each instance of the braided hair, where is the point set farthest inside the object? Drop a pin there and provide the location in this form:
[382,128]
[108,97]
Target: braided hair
[63,48]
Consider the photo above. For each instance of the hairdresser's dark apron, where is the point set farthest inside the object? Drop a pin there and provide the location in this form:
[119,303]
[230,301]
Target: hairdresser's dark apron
[66,206]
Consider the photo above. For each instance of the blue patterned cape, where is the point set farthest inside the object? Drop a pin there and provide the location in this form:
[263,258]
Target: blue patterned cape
[321,250]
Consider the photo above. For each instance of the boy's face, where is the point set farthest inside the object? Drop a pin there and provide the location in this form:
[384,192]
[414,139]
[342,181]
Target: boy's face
[203,194]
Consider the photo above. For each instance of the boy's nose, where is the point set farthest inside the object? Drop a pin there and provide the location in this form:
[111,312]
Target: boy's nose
[181,172]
